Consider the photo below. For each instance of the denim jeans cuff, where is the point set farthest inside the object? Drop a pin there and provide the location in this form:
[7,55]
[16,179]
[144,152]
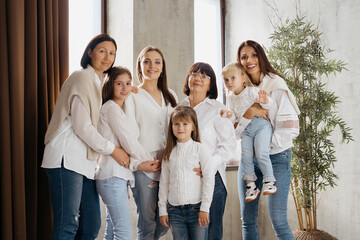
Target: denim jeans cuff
[249,177]
[270,178]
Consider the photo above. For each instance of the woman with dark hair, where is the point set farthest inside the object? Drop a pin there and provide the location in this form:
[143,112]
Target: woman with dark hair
[149,111]
[73,145]
[217,134]
[284,117]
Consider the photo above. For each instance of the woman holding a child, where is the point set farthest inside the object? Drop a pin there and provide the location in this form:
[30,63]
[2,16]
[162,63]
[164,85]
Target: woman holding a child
[283,116]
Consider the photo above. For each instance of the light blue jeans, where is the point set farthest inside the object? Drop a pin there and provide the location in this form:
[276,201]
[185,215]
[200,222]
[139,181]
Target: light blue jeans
[146,198]
[277,202]
[114,193]
[75,204]
[184,222]
[256,136]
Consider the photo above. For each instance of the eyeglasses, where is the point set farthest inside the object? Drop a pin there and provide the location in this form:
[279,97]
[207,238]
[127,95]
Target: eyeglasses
[200,76]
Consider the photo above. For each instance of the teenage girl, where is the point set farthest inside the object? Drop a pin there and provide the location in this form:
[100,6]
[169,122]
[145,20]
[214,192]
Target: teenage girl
[184,207]
[114,176]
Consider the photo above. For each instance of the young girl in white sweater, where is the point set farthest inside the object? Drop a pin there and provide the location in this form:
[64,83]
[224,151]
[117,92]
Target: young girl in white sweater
[114,177]
[184,207]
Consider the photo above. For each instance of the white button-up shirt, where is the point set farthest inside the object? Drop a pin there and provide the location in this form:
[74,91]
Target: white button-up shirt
[148,121]
[114,127]
[179,184]
[71,141]
[217,133]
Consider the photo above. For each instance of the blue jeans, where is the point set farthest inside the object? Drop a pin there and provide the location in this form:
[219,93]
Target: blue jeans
[75,204]
[114,193]
[184,222]
[146,198]
[217,209]
[256,136]
[277,202]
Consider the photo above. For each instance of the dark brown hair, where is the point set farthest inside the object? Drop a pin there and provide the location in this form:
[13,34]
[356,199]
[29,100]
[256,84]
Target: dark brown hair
[108,88]
[180,112]
[202,68]
[162,81]
[265,66]
[86,59]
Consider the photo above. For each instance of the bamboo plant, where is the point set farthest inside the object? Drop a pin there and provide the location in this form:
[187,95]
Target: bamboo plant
[298,53]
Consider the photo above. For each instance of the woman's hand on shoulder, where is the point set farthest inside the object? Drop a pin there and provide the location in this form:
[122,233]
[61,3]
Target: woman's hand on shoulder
[255,111]
[134,89]
[150,166]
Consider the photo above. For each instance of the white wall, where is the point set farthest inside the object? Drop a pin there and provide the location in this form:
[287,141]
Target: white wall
[338,208]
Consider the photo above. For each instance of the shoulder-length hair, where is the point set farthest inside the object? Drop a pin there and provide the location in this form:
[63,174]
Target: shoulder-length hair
[202,68]
[108,88]
[86,59]
[162,81]
[265,66]
[183,113]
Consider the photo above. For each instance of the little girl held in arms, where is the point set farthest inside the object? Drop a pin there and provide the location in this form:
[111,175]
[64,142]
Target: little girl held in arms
[184,207]
[256,136]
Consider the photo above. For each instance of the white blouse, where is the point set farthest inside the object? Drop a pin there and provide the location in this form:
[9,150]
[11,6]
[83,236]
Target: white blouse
[186,186]
[70,142]
[217,133]
[283,118]
[148,121]
[114,127]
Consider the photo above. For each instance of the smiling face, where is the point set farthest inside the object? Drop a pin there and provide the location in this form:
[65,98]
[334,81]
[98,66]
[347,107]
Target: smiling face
[199,84]
[250,61]
[151,65]
[235,81]
[182,129]
[102,57]
[122,88]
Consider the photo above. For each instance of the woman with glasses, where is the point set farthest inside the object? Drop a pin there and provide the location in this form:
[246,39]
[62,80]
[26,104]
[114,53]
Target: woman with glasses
[217,134]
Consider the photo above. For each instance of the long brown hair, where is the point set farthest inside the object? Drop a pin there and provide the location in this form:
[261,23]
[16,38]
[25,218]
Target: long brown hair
[162,81]
[108,88]
[180,112]
[265,66]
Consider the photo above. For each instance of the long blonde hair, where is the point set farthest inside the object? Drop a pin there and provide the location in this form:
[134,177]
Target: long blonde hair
[185,113]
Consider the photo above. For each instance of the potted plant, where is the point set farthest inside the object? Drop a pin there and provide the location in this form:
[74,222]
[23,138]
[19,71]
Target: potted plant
[298,53]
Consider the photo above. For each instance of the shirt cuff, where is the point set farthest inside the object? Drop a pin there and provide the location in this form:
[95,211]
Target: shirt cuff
[205,207]
[134,163]
[109,148]
[163,211]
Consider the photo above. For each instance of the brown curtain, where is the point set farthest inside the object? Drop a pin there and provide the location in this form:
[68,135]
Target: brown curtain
[33,65]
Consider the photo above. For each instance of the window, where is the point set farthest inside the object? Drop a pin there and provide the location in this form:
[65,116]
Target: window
[207,34]
[84,24]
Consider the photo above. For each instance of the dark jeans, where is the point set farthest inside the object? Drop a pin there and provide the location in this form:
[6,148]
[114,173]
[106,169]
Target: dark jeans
[184,222]
[217,209]
[75,204]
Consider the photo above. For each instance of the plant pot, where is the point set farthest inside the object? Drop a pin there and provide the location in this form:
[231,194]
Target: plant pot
[314,235]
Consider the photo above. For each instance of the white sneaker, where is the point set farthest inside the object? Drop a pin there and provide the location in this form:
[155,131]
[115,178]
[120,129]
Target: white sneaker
[252,192]
[269,188]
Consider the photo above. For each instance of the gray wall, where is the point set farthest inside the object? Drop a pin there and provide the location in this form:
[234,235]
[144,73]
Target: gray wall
[338,208]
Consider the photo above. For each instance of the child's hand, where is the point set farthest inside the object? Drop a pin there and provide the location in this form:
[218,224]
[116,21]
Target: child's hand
[164,220]
[263,97]
[225,113]
[198,172]
[134,89]
[203,219]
